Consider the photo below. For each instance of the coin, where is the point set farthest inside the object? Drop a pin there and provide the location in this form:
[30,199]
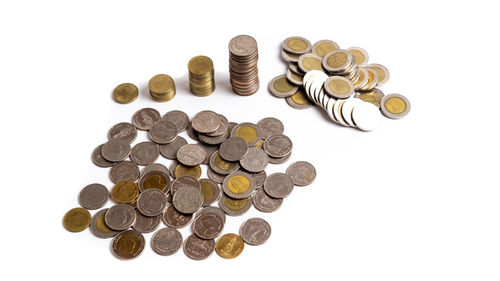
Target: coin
[161,87]
[222,166]
[182,170]
[238,185]
[337,111]
[210,191]
[187,200]
[123,171]
[347,108]
[99,228]
[338,61]
[270,126]
[247,131]
[234,207]
[191,154]
[372,80]
[120,217]
[359,54]
[166,241]
[302,173]
[255,160]
[115,150]
[362,80]
[128,244]
[163,132]
[169,150]
[145,153]
[206,121]
[209,150]
[184,181]
[207,140]
[279,160]
[255,231]
[218,178]
[76,219]
[125,192]
[229,246]
[223,128]
[144,118]
[289,57]
[192,132]
[212,209]
[296,45]
[208,226]
[125,93]
[145,224]
[178,118]
[124,131]
[374,96]
[264,202]
[198,249]
[259,178]
[154,167]
[176,219]
[243,72]
[151,202]
[382,73]
[201,76]
[278,146]
[308,62]
[366,116]
[233,149]
[280,87]
[294,78]
[93,196]
[395,106]
[294,68]
[338,87]
[299,100]
[98,160]
[155,179]
[323,47]
[278,185]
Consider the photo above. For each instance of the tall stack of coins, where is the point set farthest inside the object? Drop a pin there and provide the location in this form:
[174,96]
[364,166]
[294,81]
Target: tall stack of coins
[243,56]
[201,76]
[162,87]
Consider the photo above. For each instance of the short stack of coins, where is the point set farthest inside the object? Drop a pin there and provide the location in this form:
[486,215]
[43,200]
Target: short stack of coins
[201,76]
[243,57]
[236,156]
[162,87]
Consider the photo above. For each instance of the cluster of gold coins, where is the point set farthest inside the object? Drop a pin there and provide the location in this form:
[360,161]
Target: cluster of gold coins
[201,76]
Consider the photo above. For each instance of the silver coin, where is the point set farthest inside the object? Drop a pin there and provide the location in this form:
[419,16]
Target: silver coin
[169,150]
[166,241]
[173,218]
[155,167]
[264,202]
[198,249]
[191,132]
[209,150]
[218,178]
[178,118]
[124,131]
[223,128]
[191,154]
[278,146]
[187,200]
[234,207]
[123,171]
[115,150]
[145,224]
[279,160]
[158,179]
[405,106]
[172,167]
[184,181]
[120,217]
[98,160]
[210,190]
[93,196]
[97,225]
[163,132]
[144,118]
[259,178]
[213,140]
[222,166]
[233,149]
[145,153]
[206,121]
[294,68]
[255,231]
[366,116]
[278,185]
[270,126]
[238,180]
[255,160]
[151,202]
[302,173]
[212,209]
[207,226]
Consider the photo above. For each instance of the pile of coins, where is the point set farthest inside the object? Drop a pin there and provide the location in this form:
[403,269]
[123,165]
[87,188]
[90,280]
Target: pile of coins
[236,155]
[201,76]
[243,73]
[339,81]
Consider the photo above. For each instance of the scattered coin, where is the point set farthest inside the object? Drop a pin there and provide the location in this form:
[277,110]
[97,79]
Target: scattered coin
[125,93]
[93,196]
[289,57]
[182,170]
[395,106]
[144,118]
[278,146]
[207,140]
[339,87]
[162,87]
[99,228]
[145,224]
[374,96]
[279,160]
[120,217]
[166,241]
[264,202]
[115,150]
[76,220]
[382,73]
[243,57]
[294,78]
[222,166]
[238,185]
[323,47]
[270,126]
[216,177]
[222,129]
[278,185]
[259,178]
[234,207]
[366,116]
[169,150]
[163,132]
[233,149]
[255,160]
[191,154]
[145,153]
[210,191]
[151,202]
[206,121]
[155,179]
[124,131]
[198,249]
[208,226]
[280,87]
[255,231]
[302,173]
[187,200]
[308,62]
[128,244]
[99,160]
[212,209]
[201,76]
[360,54]
[247,131]
[155,167]
[209,150]
[184,181]
[176,219]
[124,171]
[178,118]
[192,132]
[229,246]
[125,192]
[299,100]
[296,45]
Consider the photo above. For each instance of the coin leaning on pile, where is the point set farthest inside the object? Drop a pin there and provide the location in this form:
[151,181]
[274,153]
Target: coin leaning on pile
[236,155]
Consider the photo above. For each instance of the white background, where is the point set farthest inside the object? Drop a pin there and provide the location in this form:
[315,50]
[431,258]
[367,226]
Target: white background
[416,199]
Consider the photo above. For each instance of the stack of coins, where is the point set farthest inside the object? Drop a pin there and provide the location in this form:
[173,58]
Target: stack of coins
[237,156]
[201,76]
[162,87]
[243,56]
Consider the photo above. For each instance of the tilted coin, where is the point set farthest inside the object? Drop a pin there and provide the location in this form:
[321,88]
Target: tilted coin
[233,149]
[382,73]
[207,140]
[360,54]
[212,209]
[270,126]
[255,160]
[366,116]
[374,96]
[294,78]
[93,196]
[294,68]
[339,87]
[145,153]
[128,244]
[395,106]
[264,202]
[347,108]
[99,160]
[279,160]
[208,226]
[278,185]
[296,45]
[210,191]
[184,181]
[176,219]
[191,154]
[302,173]
[120,217]
[280,87]
[115,150]
[163,132]
[198,249]
[289,57]
[216,177]
[126,170]
[234,207]
[192,133]
[206,121]
[169,150]
[372,80]
[180,170]
[155,167]
[223,128]
[178,118]
[229,246]
[278,146]
[299,100]
[155,179]
[125,192]
[99,228]
[76,219]
[144,118]
[247,131]
[238,185]
[125,93]
[259,178]
[151,202]
[362,79]
[323,47]
[308,62]
[166,241]
[255,231]
[187,200]
[145,224]
[222,166]
[124,131]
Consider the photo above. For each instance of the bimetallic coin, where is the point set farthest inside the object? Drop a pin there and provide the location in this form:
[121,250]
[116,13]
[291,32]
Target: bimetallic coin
[270,126]
[294,68]
[372,80]
[206,121]
[152,202]
[145,153]
[302,173]
[120,217]
[98,160]
[280,87]
[209,149]
[182,170]
[296,45]
[278,185]
[208,226]
[76,220]
[166,241]
[299,100]
[178,118]
[238,185]
[308,62]
[125,93]
[382,73]
[259,178]
[278,146]
[124,131]
[125,192]
[294,78]
[123,171]
[155,179]
[374,96]
[255,231]
[289,57]
[198,249]
[323,47]
[255,160]
[338,61]
[145,224]
[247,131]
[362,80]
[144,118]
[234,207]
[233,149]
[169,150]
[115,150]
[366,116]
[229,246]
[128,244]
[163,132]
[359,54]
[222,166]
[99,228]
[191,154]
[264,202]
[176,219]
[210,191]
[339,87]
[395,106]
[155,167]
[187,200]
[93,196]
[216,177]
[212,209]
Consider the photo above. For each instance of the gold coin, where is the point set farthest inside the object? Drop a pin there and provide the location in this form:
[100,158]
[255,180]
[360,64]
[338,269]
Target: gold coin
[337,60]
[128,244]
[374,96]
[76,220]
[101,225]
[200,65]
[308,62]
[209,190]
[155,180]
[125,93]
[125,192]
[395,105]
[323,47]
[300,97]
[359,54]
[162,87]
[182,170]
[229,246]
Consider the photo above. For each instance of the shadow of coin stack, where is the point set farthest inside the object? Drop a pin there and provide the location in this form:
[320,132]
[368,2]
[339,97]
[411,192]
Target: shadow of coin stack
[201,76]
[162,87]
[243,56]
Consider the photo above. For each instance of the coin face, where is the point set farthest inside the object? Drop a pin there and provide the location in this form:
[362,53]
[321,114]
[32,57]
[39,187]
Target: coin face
[278,185]
[299,100]
[382,73]
[289,57]
[120,217]
[270,126]
[339,87]
[208,226]
[124,131]
[229,246]
[200,65]
[145,153]
[178,118]
[338,60]
[278,146]
[161,84]
[255,160]
[187,200]
[238,185]
[255,231]
[259,178]
[184,181]
[125,93]
[99,160]
[124,171]
[323,47]
[125,192]
[212,209]
[152,202]
[234,207]
[233,149]
[191,154]
[157,179]
[247,131]
[206,121]
[266,203]
[242,45]
[308,62]
[198,249]
[280,87]
[216,177]
[360,54]
[302,173]
[128,244]
[115,150]
[169,150]
[210,191]
[166,241]
[296,45]
[99,228]
[223,128]
[183,170]
[154,167]
[294,78]
[176,219]
[144,118]
[76,220]
[372,80]
[163,132]
[374,96]
[93,196]
[145,224]
[222,166]
[395,106]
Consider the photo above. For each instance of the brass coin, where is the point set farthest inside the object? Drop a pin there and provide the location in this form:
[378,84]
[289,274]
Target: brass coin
[125,93]
[128,244]
[229,246]
[182,170]
[125,192]
[280,87]
[359,54]
[299,100]
[296,45]
[338,87]
[200,65]
[374,96]
[76,220]
[234,207]
[289,57]
[372,80]
[323,47]
[294,78]
[155,179]
[395,106]
[249,132]
[99,227]
[382,73]
[362,79]
[162,87]
[308,62]
[238,185]
[210,190]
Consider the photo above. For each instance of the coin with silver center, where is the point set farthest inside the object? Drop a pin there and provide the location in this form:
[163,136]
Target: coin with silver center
[93,196]
[99,228]
[255,231]
[145,224]
[218,178]
[278,146]
[120,217]
[259,178]
[163,132]
[99,160]
[233,149]
[178,118]
[123,171]
[144,118]
[124,131]
[166,241]
[115,150]
[151,202]
[176,219]
[192,133]
[198,249]
[278,185]
[255,160]
[302,173]
[155,167]
[169,150]
[270,126]
[279,160]
[191,154]
[187,200]
[222,129]
[207,226]
[145,153]
[206,121]
[264,202]
[207,140]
